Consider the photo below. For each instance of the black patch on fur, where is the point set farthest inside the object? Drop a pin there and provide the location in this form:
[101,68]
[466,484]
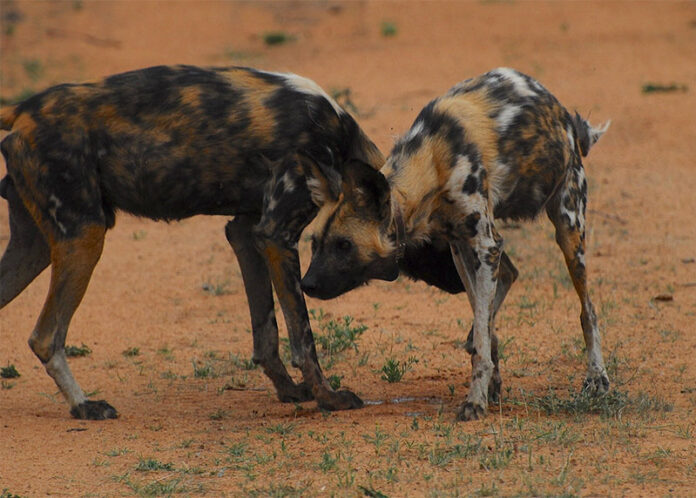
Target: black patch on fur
[471,185]
[432,262]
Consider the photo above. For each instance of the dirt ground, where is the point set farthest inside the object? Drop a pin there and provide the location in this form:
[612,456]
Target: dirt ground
[166,318]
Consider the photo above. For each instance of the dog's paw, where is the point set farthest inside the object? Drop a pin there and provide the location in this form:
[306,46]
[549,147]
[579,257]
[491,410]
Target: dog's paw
[597,385]
[94,410]
[471,411]
[339,400]
[296,393]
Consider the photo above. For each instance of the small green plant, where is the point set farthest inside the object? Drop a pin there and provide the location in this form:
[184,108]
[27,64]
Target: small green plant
[131,352]
[393,370]
[388,29]
[243,363]
[117,452]
[327,462]
[377,439]
[219,288]
[77,351]
[273,38]
[371,492]
[203,371]
[335,381]
[139,234]
[281,429]
[9,372]
[339,335]
[218,415]
[150,464]
[662,88]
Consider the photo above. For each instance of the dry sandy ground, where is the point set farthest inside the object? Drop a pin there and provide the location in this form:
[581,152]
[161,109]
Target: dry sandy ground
[225,433]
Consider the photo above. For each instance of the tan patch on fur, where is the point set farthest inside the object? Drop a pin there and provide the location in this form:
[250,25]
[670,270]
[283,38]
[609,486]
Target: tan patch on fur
[191,95]
[26,126]
[472,111]
[256,91]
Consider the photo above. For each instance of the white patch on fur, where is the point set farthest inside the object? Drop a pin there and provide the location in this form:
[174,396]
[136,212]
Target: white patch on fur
[469,203]
[497,174]
[597,132]
[415,130]
[571,138]
[309,87]
[518,82]
[507,114]
[315,190]
[57,368]
[289,184]
[53,211]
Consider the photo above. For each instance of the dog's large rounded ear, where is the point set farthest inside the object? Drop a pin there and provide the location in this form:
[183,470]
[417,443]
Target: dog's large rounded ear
[322,176]
[367,188]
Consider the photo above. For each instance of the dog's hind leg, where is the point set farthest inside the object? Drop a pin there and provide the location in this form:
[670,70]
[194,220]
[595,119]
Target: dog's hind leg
[72,262]
[257,284]
[26,254]
[566,209]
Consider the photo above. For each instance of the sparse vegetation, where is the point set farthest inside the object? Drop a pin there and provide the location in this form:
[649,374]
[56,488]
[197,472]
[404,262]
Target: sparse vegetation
[338,335]
[273,38]
[150,464]
[77,351]
[131,352]
[662,88]
[393,370]
[388,29]
[9,372]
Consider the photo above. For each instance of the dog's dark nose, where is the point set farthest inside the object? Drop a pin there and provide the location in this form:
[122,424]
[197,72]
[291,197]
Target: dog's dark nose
[309,286]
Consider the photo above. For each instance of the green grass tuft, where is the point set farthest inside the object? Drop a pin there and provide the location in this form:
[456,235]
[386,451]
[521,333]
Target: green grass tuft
[150,464]
[661,88]
[9,372]
[273,38]
[389,29]
[77,351]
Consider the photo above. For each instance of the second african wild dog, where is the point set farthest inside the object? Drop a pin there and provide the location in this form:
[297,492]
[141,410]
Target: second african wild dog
[496,146]
[168,143]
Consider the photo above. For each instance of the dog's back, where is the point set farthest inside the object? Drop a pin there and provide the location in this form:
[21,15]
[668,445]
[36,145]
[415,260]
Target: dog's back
[509,124]
[169,142]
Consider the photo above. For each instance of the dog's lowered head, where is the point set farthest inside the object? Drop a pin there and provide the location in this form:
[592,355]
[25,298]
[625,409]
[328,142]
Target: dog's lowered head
[351,243]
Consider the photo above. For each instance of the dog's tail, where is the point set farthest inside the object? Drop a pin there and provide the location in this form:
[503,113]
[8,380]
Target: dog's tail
[8,115]
[587,135]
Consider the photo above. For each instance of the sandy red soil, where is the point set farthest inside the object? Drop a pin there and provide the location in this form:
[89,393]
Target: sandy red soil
[147,291]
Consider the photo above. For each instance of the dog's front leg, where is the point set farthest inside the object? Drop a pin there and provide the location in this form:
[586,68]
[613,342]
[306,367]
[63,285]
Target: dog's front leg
[288,209]
[257,284]
[477,266]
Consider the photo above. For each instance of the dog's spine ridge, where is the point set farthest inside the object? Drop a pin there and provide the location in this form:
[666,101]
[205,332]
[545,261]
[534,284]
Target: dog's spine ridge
[587,135]
[8,115]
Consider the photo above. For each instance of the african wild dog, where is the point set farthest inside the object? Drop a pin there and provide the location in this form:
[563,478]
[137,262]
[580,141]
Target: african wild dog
[496,146]
[168,143]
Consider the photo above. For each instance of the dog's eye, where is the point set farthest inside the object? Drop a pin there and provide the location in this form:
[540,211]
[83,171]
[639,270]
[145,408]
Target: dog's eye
[314,244]
[344,245]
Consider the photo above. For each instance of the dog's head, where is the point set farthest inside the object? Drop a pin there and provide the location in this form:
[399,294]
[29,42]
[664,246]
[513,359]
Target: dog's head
[351,243]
